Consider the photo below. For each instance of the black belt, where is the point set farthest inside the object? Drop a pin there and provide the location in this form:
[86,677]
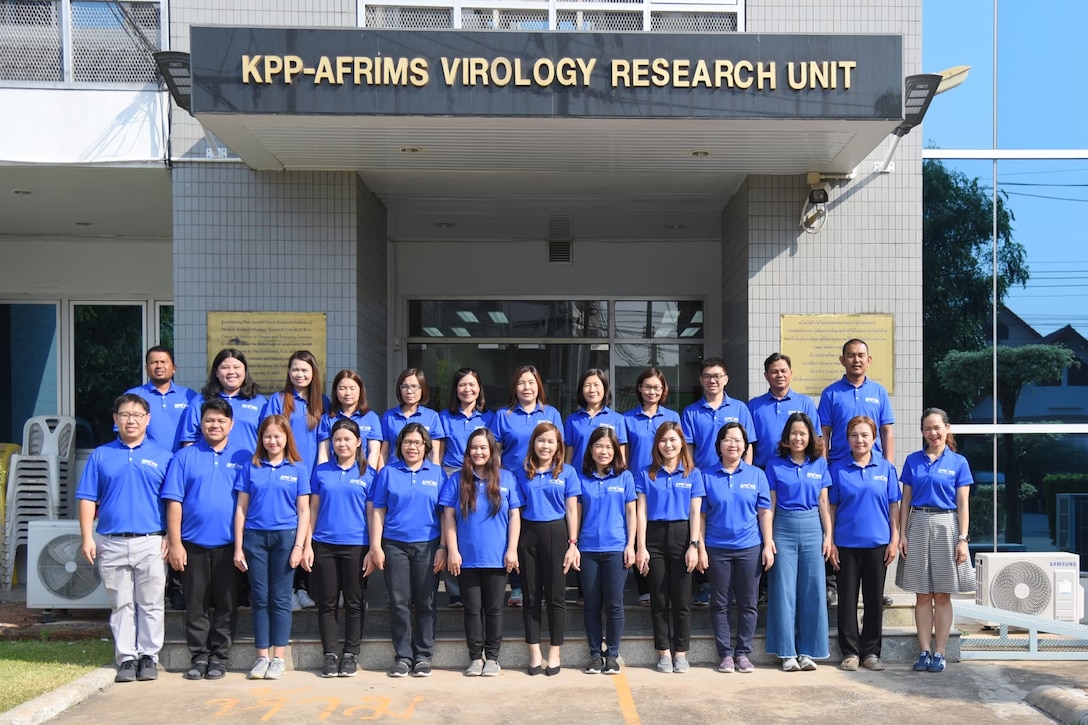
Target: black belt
[131,535]
[932,510]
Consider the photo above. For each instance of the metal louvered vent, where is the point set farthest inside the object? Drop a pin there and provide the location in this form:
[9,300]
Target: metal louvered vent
[560,238]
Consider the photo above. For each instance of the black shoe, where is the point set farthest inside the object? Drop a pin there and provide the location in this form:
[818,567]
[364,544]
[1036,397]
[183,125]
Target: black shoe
[594,666]
[400,668]
[888,601]
[349,665]
[421,669]
[126,672]
[332,665]
[197,671]
[147,670]
[611,666]
[216,670]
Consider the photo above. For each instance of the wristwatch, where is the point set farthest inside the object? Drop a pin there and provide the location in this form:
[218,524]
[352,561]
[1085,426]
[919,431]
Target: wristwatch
[965,538]
[573,541]
[694,544]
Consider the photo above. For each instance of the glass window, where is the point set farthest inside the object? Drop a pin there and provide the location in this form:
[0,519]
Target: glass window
[655,320]
[166,325]
[28,357]
[962,33]
[507,318]
[108,350]
[679,363]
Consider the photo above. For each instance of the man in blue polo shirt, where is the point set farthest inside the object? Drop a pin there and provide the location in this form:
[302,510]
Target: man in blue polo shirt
[122,480]
[771,410]
[168,402]
[200,499]
[853,395]
[702,420]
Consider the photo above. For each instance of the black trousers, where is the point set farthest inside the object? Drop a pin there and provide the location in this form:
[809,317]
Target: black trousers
[541,549]
[338,568]
[670,584]
[482,593]
[413,587]
[861,570]
[210,583]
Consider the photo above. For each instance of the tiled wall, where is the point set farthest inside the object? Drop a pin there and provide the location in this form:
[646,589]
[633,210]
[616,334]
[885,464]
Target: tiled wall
[736,232]
[251,240]
[372,296]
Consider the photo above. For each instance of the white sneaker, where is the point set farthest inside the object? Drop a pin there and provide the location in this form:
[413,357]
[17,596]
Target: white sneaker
[304,599]
[295,605]
[276,668]
[260,669]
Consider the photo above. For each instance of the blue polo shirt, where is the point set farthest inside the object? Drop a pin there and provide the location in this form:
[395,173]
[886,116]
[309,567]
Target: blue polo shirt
[730,506]
[544,495]
[393,422]
[370,428]
[701,424]
[168,410]
[410,501]
[305,437]
[641,429]
[514,427]
[247,417]
[457,428]
[668,497]
[481,537]
[841,401]
[935,484]
[273,494]
[125,483]
[797,487]
[769,416]
[863,496]
[203,481]
[580,426]
[604,502]
[341,510]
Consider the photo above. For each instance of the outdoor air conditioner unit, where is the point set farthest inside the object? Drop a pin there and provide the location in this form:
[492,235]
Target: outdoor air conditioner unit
[1043,584]
[57,574]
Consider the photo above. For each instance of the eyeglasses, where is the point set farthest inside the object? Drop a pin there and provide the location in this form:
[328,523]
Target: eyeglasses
[131,416]
[411,444]
[713,378]
[650,388]
[409,388]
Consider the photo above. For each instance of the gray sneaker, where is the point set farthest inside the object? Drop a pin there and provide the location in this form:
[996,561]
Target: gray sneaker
[259,670]
[276,668]
[492,669]
[807,663]
[664,664]
[475,668]
[680,664]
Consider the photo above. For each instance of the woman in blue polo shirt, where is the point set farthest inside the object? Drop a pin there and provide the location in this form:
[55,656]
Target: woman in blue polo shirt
[271,522]
[412,394]
[594,395]
[465,415]
[548,545]
[303,402]
[349,401]
[338,546]
[934,517]
[513,426]
[229,379]
[607,544]
[405,542]
[737,542]
[796,603]
[864,498]
[642,421]
[670,495]
[482,523]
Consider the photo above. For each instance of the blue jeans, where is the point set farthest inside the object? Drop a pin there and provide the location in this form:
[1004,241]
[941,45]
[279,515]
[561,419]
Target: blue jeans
[268,554]
[603,577]
[796,596]
[733,572]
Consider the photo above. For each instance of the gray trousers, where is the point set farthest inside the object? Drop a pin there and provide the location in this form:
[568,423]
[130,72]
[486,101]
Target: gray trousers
[134,575]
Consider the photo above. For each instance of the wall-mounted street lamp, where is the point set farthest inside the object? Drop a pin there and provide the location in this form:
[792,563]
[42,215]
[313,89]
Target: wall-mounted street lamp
[918,93]
[176,69]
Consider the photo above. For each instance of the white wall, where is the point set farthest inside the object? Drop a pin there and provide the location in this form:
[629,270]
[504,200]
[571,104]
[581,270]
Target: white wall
[86,268]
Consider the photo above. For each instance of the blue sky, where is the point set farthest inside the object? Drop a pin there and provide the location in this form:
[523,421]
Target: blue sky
[1041,105]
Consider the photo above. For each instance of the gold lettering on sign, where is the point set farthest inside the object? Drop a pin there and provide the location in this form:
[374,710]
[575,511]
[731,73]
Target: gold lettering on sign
[292,65]
[324,72]
[395,71]
[766,75]
[273,64]
[250,72]
[543,72]
[621,70]
[419,74]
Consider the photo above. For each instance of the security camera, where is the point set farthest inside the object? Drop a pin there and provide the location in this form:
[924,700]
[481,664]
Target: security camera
[819,193]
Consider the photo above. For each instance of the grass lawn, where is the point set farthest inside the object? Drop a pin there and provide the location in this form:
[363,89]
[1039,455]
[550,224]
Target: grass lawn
[31,667]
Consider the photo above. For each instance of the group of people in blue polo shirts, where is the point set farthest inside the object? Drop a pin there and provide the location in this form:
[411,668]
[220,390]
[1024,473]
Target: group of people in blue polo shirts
[227,481]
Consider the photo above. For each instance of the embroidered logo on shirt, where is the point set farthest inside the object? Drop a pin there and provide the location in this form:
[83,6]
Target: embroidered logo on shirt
[249,406]
[751,486]
[946,471]
[428,482]
[875,401]
[149,462]
[682,484]
[557,482]
[288,478]
[180,406]
[810,474]
[231,464]
[358,481]
[607,425]
[614,489]
[880,478]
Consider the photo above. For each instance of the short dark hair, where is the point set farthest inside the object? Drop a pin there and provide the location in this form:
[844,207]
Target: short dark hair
[815,447]
[775,357]
[646,375]
[130,398]
[603,376]
[159,348]
[218,405]
[414,428]
[854,341]
[424,389]
[725,429]
[589,465]
[714,362]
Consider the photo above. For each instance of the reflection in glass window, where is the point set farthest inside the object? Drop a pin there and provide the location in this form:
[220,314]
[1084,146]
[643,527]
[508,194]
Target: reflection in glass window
[28,357]
[166,326]
[655,320]
[108,355]
[679,363]
[507,318]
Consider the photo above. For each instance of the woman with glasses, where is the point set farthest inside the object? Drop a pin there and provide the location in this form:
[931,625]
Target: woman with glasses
[736,544]
[349,401]
[405,542]
[412,394]
[594,397]
[229,379]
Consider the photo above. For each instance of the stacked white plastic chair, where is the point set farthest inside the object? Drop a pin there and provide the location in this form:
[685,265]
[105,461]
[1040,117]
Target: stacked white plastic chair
[39,482]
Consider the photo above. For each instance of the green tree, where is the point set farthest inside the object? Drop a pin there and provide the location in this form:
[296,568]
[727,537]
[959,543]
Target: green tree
[957,272]
[971,374]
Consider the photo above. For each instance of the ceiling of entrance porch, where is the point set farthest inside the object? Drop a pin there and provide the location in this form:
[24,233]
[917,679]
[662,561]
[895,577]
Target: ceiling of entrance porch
[505,178]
